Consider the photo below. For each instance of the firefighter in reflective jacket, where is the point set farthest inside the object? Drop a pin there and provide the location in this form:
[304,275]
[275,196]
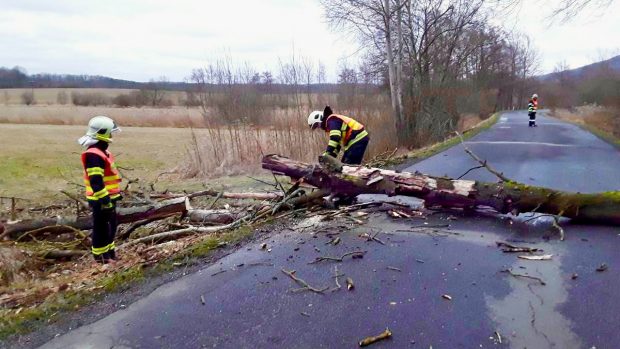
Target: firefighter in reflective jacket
[344,132]
[102,181]
[531,112]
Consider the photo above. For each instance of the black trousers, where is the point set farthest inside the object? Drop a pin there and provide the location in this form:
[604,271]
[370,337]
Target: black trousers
[532,119]
[355,154]
[104,230]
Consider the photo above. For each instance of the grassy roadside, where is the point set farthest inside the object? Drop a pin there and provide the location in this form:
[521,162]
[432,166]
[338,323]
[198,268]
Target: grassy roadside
[21,321]
[426,152]
[599,121]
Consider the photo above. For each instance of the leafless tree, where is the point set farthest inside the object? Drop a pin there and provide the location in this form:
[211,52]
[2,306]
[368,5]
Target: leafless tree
[154,92]
[568,9]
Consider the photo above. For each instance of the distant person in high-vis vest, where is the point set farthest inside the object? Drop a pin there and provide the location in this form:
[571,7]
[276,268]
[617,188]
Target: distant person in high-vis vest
[102,181]
[344,133]
[531,112]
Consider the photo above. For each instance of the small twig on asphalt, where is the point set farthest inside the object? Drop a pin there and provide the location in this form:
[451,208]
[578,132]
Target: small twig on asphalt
[302,283]
[336,275]
[267,264]
[524,276]
[393,268]
[471,169]
[508,248]
[354,254]
[369,237]
[482,162]
[370,340]
[219,272]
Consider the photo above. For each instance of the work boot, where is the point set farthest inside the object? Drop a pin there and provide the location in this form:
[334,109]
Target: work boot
[112,255]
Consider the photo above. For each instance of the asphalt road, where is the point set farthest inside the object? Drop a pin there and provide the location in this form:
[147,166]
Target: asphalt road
[237,303]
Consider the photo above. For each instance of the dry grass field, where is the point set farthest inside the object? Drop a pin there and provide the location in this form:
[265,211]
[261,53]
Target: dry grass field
[49,96]
[79,115]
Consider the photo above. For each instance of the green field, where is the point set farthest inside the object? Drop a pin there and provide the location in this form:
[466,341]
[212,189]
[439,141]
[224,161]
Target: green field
[39,160]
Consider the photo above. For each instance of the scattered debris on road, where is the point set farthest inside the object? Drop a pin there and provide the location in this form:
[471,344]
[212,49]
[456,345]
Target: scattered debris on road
[354,255]
[301,282]
[602,267]
[350,284]
[393,268]
[498,336]
[446,296]
[370,340]
[544,257]
[508,248]
[508,271]
[219,272]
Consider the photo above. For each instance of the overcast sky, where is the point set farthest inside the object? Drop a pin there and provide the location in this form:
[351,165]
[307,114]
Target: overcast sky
[140,39]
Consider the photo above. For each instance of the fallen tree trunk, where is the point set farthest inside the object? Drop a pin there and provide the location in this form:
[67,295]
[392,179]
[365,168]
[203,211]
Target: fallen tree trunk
[438,191]
[124,215]
[211,216]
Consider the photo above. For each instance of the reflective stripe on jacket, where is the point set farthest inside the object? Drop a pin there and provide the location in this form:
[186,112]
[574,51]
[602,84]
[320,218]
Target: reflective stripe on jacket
[111,177]
[349,126]
[531,108]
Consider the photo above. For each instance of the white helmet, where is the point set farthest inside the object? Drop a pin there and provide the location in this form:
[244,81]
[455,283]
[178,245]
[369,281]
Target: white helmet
[315,119]
[534,96]
[100,128]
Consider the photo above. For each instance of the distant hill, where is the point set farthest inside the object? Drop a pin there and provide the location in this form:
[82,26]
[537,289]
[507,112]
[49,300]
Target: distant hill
[587,70]
[18,78]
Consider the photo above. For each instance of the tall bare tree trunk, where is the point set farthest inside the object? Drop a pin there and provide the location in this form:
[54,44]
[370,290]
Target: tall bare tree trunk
[394,73]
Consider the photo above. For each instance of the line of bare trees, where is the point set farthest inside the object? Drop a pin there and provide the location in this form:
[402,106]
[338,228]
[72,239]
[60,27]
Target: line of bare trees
[228,92]
[439,58]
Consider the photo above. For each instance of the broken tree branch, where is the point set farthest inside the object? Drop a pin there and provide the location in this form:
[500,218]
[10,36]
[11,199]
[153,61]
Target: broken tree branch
[482,163]
[301,282]
[504,197]
[354,254]
[124,215]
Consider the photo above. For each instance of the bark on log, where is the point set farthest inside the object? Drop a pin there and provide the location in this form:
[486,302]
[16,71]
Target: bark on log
[211,216]
[124,215]
[223,195]
[504,197]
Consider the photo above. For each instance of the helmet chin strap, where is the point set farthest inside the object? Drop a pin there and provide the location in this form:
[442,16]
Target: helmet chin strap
[104,138]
